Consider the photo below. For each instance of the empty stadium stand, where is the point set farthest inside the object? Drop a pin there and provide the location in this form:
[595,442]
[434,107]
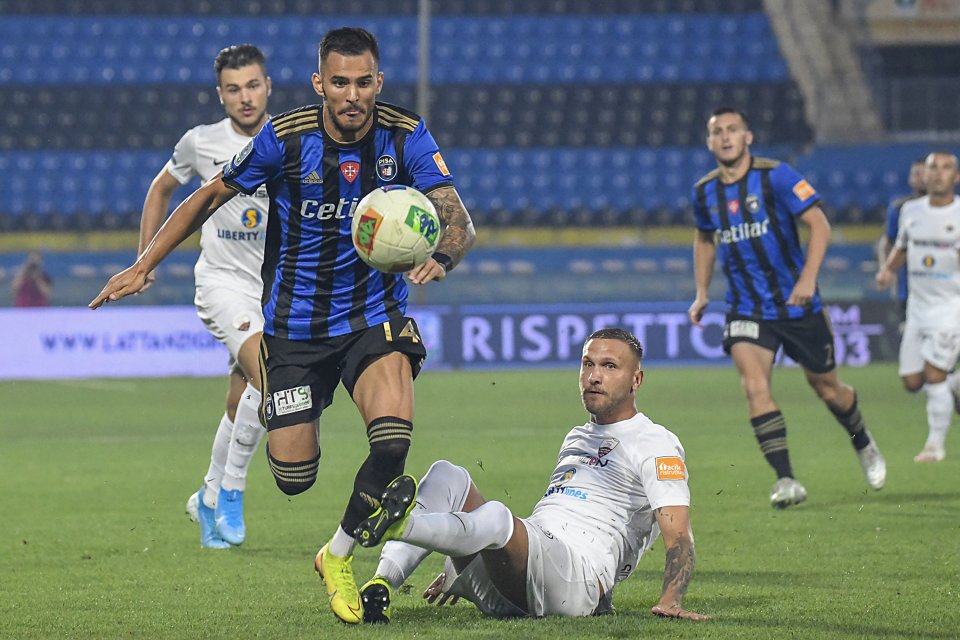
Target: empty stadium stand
[549,111]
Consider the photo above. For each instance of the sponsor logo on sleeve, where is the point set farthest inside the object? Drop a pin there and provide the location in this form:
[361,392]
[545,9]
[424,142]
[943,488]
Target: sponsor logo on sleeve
[438,159]
[239,159]
[292,400]
[803,190]
[670,468]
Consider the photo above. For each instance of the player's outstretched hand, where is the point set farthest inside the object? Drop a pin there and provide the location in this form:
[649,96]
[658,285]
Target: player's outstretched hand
[429,270]
[125,283]
[677,611]
[434,593]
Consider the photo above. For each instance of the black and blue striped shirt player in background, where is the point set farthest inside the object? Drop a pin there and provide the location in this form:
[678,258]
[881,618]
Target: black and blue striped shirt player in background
[329,318]
[750,206]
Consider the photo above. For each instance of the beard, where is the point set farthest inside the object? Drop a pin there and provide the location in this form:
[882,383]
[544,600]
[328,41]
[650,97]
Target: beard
[345,126]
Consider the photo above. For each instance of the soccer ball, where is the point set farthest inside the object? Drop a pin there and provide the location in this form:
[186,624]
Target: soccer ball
[395,228]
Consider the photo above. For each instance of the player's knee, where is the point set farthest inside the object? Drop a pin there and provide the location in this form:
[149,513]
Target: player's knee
[444,469]
[294,477]
[499,519]
[446,474]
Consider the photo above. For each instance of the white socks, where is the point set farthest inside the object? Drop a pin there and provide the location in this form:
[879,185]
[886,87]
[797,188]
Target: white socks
[247,433]
[342,543]
[939,412]
[437,523]
[460,534]
[218,460]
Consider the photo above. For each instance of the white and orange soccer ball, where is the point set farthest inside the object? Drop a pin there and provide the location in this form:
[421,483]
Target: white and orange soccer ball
[395,228]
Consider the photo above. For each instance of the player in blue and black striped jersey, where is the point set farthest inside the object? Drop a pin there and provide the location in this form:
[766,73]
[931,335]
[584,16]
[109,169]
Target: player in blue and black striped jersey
[749,207]
[328,317]
[892,226]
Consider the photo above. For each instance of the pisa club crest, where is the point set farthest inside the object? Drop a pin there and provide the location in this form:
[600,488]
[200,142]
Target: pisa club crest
[350,170]
[387,168]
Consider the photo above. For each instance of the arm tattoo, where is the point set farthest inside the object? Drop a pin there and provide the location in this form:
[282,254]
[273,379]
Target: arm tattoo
[458,234]
[678,568]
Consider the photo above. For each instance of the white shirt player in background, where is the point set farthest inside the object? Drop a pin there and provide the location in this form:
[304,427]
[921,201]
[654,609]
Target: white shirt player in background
[929,242]
[620,481]
[228,282]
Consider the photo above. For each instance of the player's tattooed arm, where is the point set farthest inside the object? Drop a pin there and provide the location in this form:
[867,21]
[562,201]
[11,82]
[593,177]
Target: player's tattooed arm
[678,568]
[458,234]
[674,524]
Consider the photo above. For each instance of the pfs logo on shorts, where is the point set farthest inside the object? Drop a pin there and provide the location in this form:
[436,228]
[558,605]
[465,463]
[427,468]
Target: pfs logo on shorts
[292,400]
[670,468]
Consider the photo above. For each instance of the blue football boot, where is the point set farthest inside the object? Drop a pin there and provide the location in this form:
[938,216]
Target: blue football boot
[209,537]
[230,516]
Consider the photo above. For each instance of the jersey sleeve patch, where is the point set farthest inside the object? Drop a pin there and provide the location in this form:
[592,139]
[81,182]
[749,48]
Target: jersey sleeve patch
[671,468]
[234,165]
[803,190]
[441,165]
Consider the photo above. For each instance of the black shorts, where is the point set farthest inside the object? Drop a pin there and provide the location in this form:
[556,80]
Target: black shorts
[300,376]
[808,340]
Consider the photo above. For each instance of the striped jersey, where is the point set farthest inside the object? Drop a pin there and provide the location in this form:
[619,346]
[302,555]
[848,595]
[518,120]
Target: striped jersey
[314,283]
[758,245]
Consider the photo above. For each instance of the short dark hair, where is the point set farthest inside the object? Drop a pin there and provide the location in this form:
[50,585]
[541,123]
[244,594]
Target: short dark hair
[349,41]
[719,111]
[616,333]
[237,56]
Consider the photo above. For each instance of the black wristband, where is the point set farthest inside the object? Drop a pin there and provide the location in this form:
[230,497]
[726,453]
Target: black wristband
[443,260]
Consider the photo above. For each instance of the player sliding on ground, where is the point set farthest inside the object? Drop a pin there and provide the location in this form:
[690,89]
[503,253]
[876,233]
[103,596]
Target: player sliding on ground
[620,481]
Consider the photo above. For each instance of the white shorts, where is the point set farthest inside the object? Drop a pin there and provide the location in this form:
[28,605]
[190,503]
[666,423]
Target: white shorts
[937,346]
[231,316]
[560,581]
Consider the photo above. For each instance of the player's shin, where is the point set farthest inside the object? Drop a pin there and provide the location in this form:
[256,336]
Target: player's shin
[939,411]
[389,443]
[770,429]
[851,420]
[218,461]
[461,534]
[247,433]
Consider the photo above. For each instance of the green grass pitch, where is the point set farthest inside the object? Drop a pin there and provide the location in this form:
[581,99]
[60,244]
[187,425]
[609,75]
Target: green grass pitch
[94,542]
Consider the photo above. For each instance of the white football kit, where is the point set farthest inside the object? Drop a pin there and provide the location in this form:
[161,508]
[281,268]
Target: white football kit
[931,237]
[596,519]
[227,273]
